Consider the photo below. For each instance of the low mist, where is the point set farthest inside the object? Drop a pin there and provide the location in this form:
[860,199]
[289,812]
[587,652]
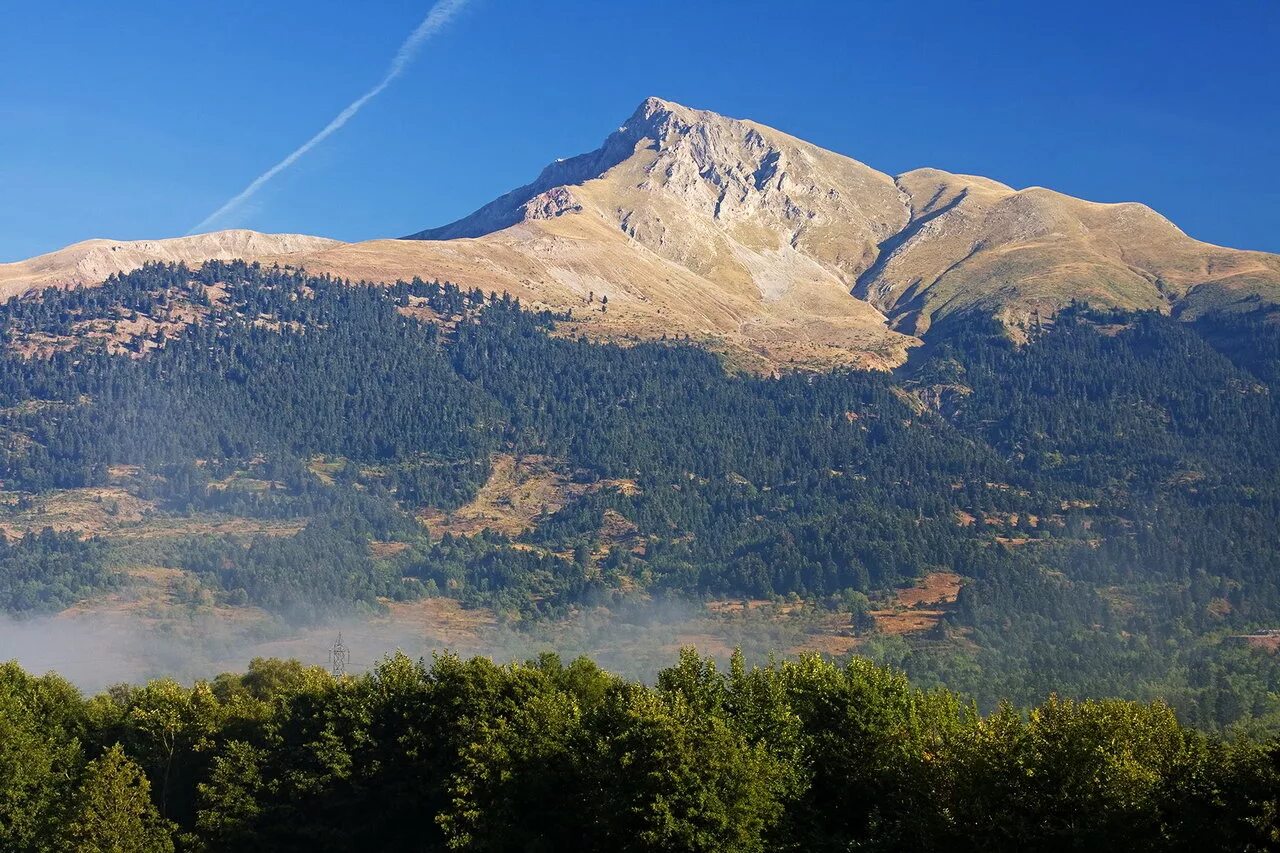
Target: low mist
[97,649]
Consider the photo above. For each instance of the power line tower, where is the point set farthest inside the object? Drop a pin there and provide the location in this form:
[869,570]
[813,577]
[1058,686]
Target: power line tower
[339,657]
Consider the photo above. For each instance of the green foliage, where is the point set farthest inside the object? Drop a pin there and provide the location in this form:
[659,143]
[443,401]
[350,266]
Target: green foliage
[40,724]
[471,755]
[112,811]
[327,564]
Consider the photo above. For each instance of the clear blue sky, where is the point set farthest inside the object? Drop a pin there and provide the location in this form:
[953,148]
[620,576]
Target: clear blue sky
[138,118]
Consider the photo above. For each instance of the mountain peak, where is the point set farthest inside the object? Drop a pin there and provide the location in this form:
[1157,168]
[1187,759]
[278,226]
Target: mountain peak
[713,162]
[775,218]
[653,105]
[657,120]
[656,116]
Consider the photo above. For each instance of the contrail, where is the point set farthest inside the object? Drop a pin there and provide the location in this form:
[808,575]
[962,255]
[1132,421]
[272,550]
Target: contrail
[440,15]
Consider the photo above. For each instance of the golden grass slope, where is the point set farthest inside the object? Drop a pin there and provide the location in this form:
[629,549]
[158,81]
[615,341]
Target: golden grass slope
[973,243]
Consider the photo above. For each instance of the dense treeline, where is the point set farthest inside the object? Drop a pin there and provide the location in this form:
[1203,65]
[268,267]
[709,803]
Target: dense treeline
[335,370]
[326,565]
[469,755]
[1109,490]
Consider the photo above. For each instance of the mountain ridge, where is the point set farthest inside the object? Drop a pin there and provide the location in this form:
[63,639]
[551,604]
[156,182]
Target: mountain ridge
[90,261]
[947,247]
[770,249]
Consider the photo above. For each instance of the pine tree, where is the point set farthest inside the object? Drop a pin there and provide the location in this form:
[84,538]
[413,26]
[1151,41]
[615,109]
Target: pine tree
[112,811]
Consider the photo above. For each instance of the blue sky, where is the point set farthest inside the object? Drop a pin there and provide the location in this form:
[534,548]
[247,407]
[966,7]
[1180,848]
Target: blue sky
[137,119]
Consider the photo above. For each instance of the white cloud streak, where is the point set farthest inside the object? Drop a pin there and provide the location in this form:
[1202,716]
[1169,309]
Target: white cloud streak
[437,18]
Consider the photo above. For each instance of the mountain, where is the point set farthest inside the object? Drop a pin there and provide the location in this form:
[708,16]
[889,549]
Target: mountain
[761,245]
[743,205]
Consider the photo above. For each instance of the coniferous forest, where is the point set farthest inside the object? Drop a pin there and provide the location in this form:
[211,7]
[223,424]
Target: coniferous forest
[1106,489]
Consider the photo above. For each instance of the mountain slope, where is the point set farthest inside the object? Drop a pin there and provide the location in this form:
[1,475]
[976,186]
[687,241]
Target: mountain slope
[719,196]
[1089,496]
[974,243]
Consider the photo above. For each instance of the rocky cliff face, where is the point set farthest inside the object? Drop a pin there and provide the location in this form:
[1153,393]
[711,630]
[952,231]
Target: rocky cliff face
[718,196]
